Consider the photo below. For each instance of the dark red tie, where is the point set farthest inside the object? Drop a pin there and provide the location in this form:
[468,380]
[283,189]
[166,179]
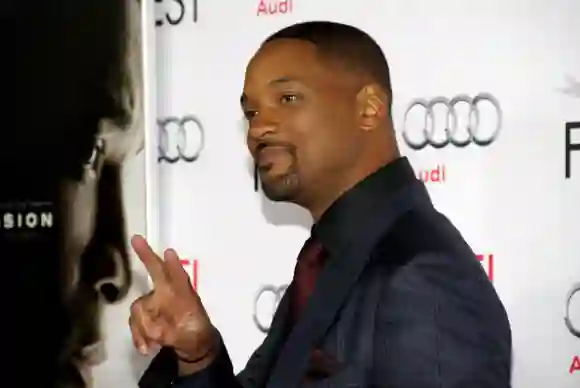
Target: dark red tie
[311,260]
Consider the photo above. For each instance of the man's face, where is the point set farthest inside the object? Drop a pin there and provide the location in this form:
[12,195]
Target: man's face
[64,161]
[94,243]
[94,260]
[94,239]
[301,114]
[95,264]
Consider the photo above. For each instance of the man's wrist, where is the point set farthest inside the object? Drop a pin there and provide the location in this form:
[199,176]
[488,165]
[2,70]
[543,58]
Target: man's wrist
[188,366]
[194,361]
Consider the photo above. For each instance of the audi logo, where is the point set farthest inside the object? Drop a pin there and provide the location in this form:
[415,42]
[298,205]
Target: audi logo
[457,129]
[574,329]
[265,305]
[180,139]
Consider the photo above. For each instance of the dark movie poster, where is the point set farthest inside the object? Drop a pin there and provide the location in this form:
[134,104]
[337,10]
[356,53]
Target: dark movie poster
[71,118]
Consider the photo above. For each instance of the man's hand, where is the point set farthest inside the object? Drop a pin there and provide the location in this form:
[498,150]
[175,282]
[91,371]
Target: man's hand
[171,315]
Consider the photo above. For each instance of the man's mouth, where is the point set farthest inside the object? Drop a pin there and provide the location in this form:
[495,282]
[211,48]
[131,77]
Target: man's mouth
[267,155]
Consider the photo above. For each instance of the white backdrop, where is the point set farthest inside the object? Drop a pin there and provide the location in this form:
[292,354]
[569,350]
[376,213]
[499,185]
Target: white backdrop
[510,199]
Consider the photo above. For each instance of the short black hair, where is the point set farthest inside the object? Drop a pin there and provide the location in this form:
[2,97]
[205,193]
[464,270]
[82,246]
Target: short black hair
[356,49]
[68,72]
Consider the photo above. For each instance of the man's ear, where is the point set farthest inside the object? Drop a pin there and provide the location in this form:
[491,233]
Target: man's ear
[372,106]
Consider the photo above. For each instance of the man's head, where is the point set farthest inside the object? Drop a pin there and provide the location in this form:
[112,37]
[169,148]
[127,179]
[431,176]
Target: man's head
[106,66]
[73,115]
[317,96]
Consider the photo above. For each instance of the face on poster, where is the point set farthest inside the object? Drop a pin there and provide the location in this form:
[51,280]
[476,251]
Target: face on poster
[95,227]
[62,216]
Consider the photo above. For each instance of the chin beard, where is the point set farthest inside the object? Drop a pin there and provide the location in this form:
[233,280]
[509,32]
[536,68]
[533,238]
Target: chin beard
[281,189]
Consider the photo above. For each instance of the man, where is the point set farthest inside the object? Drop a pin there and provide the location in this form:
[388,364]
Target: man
[399,300]
[71,117]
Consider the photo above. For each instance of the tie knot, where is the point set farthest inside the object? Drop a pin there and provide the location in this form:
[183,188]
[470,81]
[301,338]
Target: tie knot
[312,252]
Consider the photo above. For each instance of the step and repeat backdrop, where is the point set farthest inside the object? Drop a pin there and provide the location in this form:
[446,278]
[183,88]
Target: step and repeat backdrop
[486,106]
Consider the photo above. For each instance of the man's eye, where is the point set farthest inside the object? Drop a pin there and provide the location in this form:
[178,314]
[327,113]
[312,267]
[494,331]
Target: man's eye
[249,114]
[96,154]
[289,98]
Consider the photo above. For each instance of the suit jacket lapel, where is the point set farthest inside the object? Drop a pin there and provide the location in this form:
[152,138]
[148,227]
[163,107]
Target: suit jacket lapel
[332,289]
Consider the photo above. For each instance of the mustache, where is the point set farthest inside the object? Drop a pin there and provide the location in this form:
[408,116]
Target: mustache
[274,143]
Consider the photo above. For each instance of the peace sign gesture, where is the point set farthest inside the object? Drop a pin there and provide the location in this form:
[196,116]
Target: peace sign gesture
[171,315]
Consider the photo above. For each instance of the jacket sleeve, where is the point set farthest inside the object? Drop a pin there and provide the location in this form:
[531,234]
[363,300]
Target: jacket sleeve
[441,324]
[162,372]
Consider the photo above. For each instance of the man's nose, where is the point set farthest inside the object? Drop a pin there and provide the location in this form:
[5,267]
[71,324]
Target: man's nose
[259,132]
[262,124]
[106,264]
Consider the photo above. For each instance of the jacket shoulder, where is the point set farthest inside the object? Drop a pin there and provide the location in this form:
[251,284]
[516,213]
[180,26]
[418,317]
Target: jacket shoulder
[418,234]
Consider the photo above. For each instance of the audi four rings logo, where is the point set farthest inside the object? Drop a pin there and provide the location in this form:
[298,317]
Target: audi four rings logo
[455,130]
[573,328]
[180,139]
[265,305]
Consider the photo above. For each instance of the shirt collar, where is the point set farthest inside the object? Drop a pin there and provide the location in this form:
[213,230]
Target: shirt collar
[347,217]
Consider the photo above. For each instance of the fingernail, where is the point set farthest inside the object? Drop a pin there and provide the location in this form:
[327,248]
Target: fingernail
[170,254]
[136,240]
[143,350]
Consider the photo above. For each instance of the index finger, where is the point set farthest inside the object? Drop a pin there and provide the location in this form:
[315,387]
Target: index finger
[153,263]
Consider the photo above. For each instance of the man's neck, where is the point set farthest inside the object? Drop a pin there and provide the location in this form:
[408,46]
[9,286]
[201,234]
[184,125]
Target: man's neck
[319,205]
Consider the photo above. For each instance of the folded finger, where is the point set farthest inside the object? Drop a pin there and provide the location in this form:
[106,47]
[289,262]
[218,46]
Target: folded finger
[143,323]
[138,337]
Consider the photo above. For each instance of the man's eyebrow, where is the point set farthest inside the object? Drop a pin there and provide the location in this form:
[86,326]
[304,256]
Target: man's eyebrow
[276,81]
[283,80]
